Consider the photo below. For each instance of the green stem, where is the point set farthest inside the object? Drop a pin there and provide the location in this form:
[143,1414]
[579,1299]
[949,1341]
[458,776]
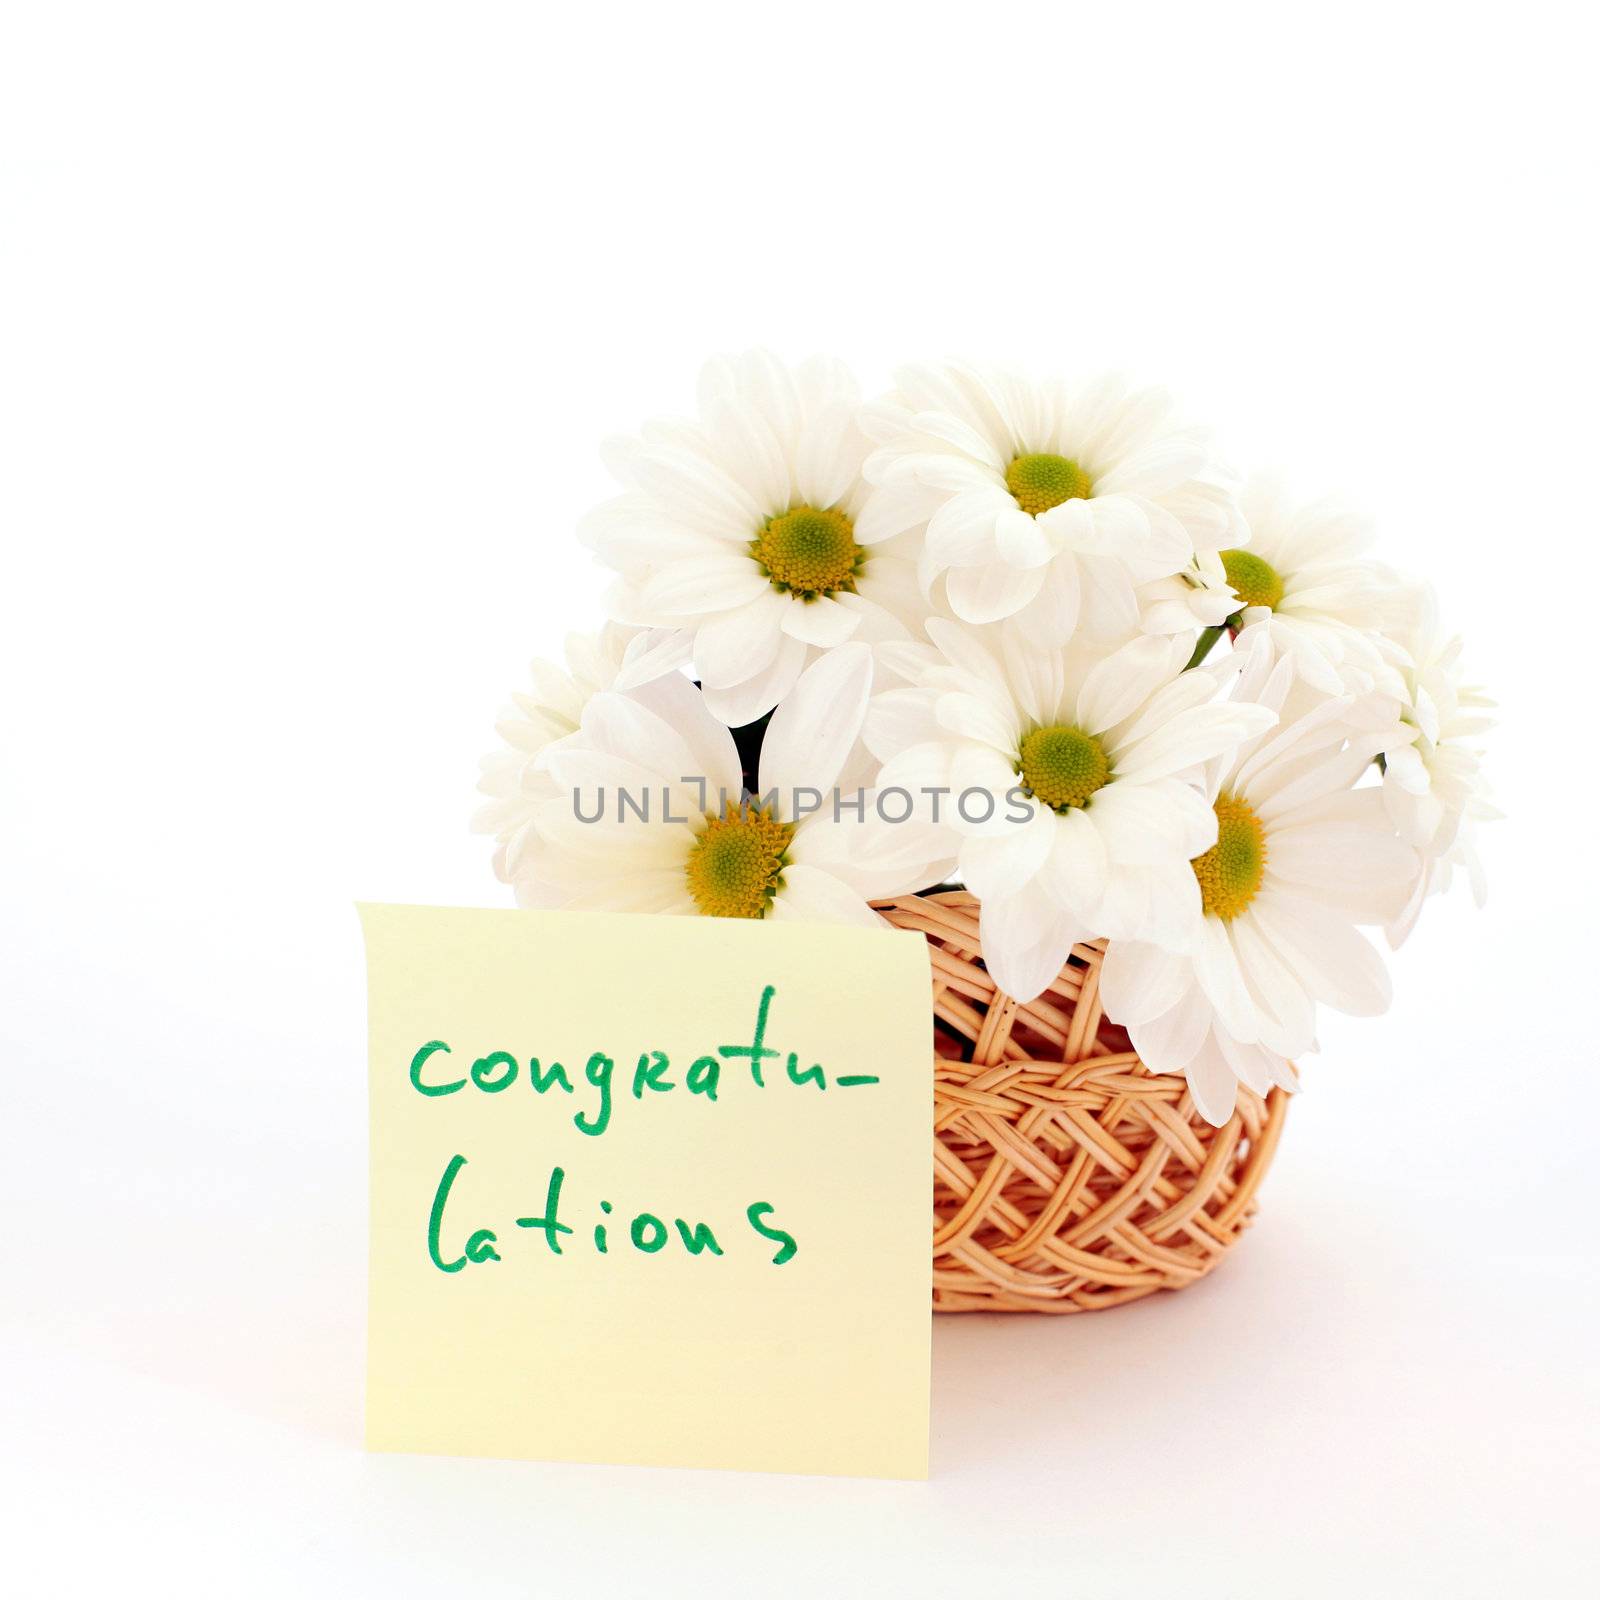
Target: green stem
[1208,637]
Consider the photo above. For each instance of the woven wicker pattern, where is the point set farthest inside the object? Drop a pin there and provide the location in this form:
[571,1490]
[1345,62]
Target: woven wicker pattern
[1066,1176]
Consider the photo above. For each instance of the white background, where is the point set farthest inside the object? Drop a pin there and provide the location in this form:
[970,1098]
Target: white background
[312,317]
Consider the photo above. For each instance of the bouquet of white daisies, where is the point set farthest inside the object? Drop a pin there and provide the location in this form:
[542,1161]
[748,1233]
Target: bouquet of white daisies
[1022,636]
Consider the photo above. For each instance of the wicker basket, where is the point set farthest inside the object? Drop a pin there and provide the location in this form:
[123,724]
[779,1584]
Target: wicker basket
[1067,1176]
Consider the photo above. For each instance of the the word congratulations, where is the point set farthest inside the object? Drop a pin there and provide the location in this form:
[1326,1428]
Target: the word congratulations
[652,1075]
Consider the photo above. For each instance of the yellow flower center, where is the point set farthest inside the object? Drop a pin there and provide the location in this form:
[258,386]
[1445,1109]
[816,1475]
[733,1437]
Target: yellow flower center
[1063,766]
[1042,481]
[1230,871]
[807,552]
[1256,582]
[736,864]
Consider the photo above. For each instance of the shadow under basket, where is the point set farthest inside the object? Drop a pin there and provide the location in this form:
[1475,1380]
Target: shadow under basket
[1066,1175]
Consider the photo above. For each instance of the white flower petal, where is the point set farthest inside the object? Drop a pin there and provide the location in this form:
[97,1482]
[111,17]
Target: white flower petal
[1151,824]
[898,719]
[754,456]
[816,724]
[1036,677]
[980,717]
[653,654]
[888,583]
[1289,1014]
[1192,737]
[1119,683]
[698,586]
[738,644]
[1020,540]
[1110,600]
[1366,871]
[1075,873]
[698,493]
[961,532]
[965,650]
[986,594]
[1051,617]
[809,894]
[1216,966]
[918,767]
[619,726]
[1251,1064]
[1168,1042]
[661,893]
[886,515]
[1026,942]
[822,622]
[1141,981]
[827,463]
[1334,962]
[999,864]
[741,703]
[1211,1082]
[713,754]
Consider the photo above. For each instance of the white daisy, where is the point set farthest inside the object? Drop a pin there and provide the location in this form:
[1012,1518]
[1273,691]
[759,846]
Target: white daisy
[1434,783]
[1301,857]
[615,658]
[1064,777]
[1047,504]
[744,529]
[787,854]
[1305,586]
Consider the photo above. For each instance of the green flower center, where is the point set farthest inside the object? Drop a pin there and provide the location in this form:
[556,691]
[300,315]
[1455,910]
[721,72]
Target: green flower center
[1042,481]
[736,865]
[1062,766]
[1230,871]
[1256,582]
[808,552]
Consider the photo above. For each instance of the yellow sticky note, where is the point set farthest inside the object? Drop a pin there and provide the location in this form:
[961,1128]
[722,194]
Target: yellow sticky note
[649,1190]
